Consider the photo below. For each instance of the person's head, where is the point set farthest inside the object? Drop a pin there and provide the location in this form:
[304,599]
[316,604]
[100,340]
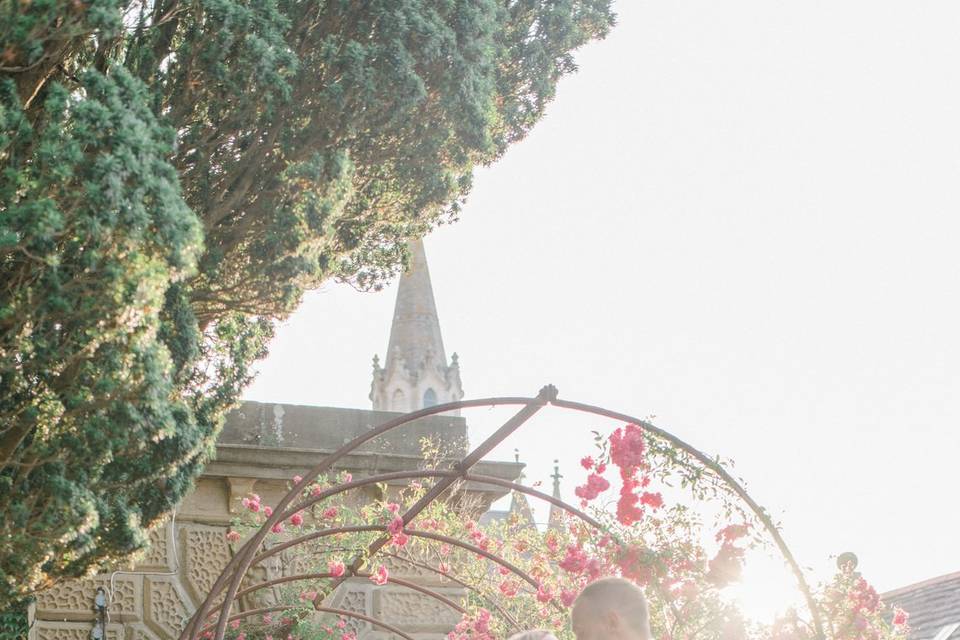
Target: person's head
[533,634]
[612,609]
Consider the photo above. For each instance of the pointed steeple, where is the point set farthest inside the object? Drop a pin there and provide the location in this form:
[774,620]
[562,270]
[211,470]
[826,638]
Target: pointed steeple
[415,372]
[415,333]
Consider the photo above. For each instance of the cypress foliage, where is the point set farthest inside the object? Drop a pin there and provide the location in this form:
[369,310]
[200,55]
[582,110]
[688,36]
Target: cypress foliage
[173,176]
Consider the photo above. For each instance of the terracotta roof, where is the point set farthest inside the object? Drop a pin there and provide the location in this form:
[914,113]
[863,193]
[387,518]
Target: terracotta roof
[932,604]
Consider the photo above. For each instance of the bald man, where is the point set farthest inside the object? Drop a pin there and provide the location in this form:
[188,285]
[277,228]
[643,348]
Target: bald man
[611,609]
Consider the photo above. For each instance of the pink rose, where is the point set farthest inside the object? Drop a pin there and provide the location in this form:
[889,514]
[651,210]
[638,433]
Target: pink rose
[336,568]
[381,576]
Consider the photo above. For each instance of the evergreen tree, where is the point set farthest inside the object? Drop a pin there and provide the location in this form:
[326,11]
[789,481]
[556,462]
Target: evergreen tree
[173,176]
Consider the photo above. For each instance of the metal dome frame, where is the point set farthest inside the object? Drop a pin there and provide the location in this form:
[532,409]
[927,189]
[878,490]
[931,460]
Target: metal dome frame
[250,553]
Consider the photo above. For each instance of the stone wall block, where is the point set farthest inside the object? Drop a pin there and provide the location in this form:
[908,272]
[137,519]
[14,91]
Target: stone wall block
[356,597]
[74,600]
[205,554]
[413,611]
[141,632]
[386,635]
[402,569]
[159,556]
[167,607]
[49,630]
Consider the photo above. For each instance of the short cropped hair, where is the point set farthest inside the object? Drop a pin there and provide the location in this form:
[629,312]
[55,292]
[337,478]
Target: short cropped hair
[622,596]
[533,634]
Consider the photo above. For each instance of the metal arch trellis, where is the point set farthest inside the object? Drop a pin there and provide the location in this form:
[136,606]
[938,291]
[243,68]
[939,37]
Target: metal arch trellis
[233,573]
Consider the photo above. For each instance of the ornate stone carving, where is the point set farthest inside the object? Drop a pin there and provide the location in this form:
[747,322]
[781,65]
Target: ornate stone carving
[73,600]
[412,611]
[356,599]
[48,630]
[158,557]
[294,563]
[141,632]
[268,569]
[402,569]
[205,555]
[167,611]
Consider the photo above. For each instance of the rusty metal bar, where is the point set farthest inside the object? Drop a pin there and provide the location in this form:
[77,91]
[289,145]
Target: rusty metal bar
[323,533]
[339,612]
[449,576]
[384,477]
[463,467]
[472,477]
[321,576]
[360,616]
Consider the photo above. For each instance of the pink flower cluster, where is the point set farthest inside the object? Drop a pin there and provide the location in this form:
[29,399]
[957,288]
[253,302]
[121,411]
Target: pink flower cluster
[473,628]
[252,503]
[509,588]
[575,561]
[726,566]
[900,617]
[596,484]
[630,507]
[380,576]
[336,568]
[395,529]
[627,448]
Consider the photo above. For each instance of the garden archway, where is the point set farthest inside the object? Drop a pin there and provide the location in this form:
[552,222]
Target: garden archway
[211,618]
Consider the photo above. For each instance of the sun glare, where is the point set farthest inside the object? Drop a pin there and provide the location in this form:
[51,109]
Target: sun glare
[766,589]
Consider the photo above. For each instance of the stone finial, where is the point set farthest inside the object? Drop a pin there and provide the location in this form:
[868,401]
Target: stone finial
[556,513]
[556,478]
[548,393]
[847,560]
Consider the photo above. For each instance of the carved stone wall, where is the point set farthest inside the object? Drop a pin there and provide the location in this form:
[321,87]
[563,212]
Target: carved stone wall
[153,597]
[74,600]
[205,554]
[416,612]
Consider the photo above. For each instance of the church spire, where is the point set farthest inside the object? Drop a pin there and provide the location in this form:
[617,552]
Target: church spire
[415,372]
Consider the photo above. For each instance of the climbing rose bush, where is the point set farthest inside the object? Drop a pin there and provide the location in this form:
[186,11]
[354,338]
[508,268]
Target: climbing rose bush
[645,498]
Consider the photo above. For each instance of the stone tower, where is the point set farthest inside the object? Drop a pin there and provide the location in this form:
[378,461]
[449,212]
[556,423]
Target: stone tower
[416,373]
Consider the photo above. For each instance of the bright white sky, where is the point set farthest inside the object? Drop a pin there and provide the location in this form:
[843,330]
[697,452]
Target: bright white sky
[740,217]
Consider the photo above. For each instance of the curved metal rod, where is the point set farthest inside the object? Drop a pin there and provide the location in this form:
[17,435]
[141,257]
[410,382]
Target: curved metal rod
[339,612]
[464,466]
[320,576]
[727,479]
[250,612]
[472,477]
[251,546]
[503,612]
[404,475]
[219,585]
[323,533]
[360,616]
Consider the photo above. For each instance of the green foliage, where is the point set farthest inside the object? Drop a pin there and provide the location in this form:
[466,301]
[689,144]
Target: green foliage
[173,176]
[14,622]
